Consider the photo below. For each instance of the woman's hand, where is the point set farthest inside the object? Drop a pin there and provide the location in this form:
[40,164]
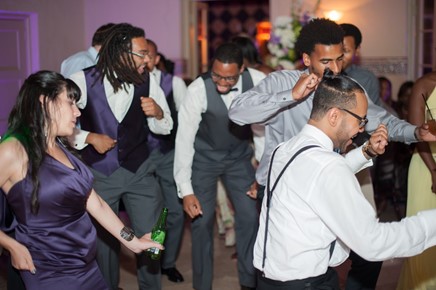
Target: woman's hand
[138,245]
[21,258]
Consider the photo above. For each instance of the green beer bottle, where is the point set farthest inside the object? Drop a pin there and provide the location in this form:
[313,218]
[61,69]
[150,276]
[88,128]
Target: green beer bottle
[158,234]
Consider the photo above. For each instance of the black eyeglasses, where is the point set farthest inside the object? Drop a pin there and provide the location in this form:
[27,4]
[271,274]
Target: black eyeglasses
[230,79]
[142,55]
[363,121]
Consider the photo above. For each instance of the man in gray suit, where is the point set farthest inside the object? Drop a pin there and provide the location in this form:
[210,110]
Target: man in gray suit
[209,146]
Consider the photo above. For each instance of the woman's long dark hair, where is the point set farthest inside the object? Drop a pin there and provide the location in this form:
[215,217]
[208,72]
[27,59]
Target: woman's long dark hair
[29,121]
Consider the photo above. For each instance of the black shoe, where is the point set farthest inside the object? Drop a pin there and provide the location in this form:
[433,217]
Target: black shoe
[173,275]
[247,288]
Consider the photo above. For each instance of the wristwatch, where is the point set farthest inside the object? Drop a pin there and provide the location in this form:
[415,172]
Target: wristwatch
[127,234]
[367,151]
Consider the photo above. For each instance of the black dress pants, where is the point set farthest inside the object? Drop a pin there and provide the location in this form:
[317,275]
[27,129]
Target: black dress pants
[363,274]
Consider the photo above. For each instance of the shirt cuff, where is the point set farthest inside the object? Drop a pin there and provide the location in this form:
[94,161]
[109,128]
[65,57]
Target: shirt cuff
[184,189]
[161,127]
[285,96]
[359,161]
[78,140]
[410,131]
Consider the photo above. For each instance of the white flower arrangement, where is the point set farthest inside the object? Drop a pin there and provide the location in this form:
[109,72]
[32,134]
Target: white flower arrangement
[284,34]
[282,40]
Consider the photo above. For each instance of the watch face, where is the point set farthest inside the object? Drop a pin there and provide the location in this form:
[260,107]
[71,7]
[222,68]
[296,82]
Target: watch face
[127,233]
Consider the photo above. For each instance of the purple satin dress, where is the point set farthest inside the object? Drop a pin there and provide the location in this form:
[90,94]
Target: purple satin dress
[61,237]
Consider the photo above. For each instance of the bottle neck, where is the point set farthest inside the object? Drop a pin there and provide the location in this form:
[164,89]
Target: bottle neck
[162,218]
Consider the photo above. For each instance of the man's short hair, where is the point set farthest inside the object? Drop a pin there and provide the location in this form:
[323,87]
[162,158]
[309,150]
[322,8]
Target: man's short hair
[318,31]
[152,43]
[229,53]
[334,91]
[101,33]
[352,30]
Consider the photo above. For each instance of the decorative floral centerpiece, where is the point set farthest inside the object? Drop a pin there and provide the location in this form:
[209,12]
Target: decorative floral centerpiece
[284,34]
[281,44]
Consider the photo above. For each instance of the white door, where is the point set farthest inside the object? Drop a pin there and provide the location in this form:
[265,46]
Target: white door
[18,57]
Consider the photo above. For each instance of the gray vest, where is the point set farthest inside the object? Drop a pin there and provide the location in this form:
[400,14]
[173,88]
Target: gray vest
[219,138]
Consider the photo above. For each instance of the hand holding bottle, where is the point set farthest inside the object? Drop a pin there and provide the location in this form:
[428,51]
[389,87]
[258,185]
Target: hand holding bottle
[144,243]
[158,235]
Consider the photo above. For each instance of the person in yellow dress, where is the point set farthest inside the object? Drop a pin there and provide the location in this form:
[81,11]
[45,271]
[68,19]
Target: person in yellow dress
[419,272]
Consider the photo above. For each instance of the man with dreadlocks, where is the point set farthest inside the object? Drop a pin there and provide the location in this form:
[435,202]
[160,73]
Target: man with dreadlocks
[120,105]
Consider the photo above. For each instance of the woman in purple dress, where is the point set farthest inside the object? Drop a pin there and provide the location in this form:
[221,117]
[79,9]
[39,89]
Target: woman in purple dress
[50,192]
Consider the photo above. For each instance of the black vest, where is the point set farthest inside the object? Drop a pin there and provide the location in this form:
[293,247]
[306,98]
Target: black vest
[131,134]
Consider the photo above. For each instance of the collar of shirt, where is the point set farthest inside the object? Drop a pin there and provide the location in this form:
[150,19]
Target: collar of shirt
[319,135]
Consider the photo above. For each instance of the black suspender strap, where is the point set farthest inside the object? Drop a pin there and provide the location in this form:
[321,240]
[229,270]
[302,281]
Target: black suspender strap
[270,190]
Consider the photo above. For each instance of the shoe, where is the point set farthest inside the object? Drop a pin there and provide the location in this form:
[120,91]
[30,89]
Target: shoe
[247,288]
[173,275]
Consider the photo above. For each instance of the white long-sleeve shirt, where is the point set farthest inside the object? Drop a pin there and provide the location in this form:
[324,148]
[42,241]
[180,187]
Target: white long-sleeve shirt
[318,200]
[120,102]
[190,112]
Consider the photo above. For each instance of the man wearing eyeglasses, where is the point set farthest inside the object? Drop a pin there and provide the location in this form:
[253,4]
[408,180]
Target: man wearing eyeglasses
[283,102]
[315,212]
[120,105]
[208,146]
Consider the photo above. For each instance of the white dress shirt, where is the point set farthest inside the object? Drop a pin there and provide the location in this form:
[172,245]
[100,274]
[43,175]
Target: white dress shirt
[79,61]
[179,87]
[190,112]
[318,200]
[120,102]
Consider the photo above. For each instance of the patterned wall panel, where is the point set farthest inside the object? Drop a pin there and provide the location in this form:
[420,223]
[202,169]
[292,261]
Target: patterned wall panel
[230,18]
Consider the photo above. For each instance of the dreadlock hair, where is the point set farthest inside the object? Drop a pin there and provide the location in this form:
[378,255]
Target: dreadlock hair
[318,31]
[229,53]
[100,34]
[353,31]
[114,61]
[30,119]
[334,91]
